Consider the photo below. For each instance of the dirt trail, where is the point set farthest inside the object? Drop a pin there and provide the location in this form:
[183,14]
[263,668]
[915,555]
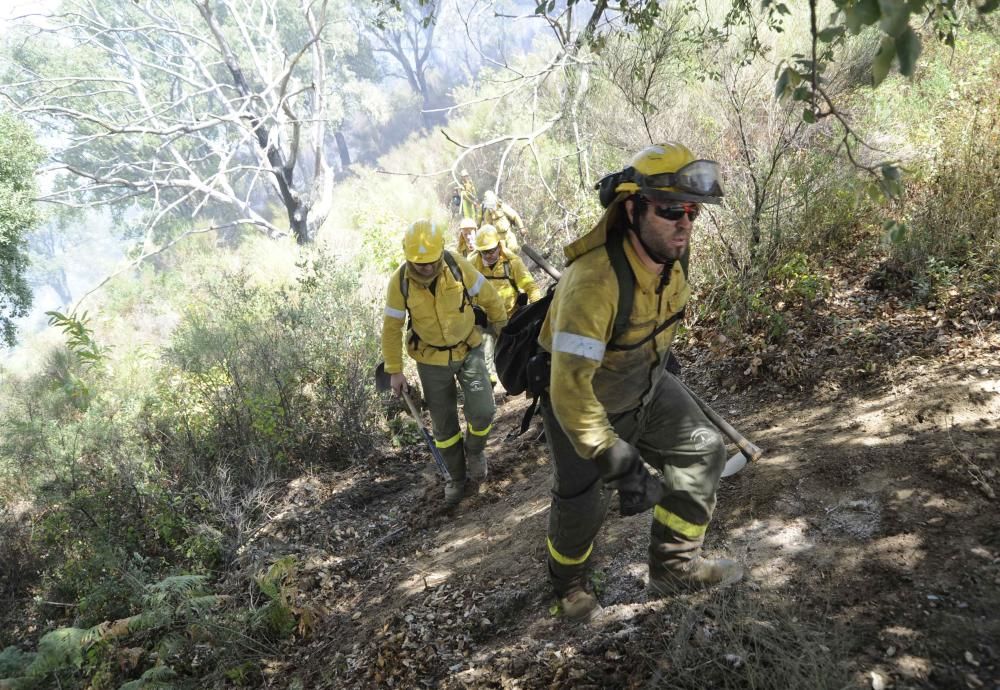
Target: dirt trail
[869,531]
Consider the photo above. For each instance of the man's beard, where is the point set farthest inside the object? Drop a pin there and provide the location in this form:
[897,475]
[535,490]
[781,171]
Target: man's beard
[658,248]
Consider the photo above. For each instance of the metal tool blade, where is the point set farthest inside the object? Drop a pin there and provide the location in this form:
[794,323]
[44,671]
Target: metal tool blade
[734,465]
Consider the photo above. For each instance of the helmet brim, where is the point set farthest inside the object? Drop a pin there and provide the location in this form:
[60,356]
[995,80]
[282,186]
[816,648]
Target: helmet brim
[663,196]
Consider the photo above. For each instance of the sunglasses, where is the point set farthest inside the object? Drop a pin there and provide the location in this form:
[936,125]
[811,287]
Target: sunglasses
[675,212]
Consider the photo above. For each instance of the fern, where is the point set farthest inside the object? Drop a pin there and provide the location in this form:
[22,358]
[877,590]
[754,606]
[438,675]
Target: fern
[59,649]
[271,582]
[170,644]
[150,619]
[200,606]
[277,617]
[172,601]
[156,677]
[175,587]
[13,662]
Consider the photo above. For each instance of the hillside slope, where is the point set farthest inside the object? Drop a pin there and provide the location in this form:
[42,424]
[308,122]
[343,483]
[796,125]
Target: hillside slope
[868,531]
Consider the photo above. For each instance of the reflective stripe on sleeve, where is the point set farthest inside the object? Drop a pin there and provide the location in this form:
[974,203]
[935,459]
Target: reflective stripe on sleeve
[566,560]
[476,432]
[678,524]
[449,442]
[573,344]
[395,313]
[478,285]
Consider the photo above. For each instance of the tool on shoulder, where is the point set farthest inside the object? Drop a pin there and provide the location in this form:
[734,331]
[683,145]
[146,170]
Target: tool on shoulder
[382,383]
[540,260]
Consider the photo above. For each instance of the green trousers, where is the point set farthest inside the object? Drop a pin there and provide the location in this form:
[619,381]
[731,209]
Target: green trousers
[674,436]
[441,394]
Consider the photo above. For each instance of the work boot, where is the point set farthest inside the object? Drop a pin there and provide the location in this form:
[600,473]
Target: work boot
[579,605]
[453,492]
[571,585]
[697,573]
[476,466]
[676,564]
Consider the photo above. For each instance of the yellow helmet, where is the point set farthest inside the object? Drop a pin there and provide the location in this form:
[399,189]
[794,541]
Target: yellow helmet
[665,172]
[487,238]
[467,224]
[423,242]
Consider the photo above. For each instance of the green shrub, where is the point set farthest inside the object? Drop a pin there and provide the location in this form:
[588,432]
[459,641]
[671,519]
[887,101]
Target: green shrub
[404,431]
[263,379]
[798,279]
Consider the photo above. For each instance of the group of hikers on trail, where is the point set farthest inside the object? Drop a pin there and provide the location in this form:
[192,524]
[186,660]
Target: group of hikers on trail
[608,404]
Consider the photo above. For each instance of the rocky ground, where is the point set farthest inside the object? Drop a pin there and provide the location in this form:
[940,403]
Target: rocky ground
[869,531]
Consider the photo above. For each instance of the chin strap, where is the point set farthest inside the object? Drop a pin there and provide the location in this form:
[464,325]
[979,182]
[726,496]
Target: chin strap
[638,210]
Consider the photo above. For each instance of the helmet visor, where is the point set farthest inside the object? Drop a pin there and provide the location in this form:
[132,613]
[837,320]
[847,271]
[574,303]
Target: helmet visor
[699,178]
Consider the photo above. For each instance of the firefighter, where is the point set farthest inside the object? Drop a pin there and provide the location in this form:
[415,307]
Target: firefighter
[505,219]
[509,275]
[440,293]
[611,407]
[466,236]
[470,197]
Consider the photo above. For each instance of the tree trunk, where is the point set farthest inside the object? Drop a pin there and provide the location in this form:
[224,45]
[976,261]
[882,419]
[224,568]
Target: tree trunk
[298,220]
[345,154]
[57,281]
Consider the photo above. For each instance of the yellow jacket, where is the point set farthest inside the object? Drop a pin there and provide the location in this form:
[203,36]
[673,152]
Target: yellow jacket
[501,218]
[512,266]
[589,381]
[436,315]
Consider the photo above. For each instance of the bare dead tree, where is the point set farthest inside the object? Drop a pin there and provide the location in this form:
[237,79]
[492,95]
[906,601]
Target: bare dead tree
[566,73]
[406,35]
[196,110]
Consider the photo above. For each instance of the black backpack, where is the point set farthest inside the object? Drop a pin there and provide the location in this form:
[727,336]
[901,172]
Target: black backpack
[517,349]
[523,365]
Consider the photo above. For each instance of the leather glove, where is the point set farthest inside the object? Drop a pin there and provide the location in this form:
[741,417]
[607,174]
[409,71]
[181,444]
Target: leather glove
[622,468]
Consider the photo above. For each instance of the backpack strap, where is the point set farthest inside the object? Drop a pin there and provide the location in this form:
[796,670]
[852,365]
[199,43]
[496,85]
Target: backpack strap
[506,276]
[404,284]
[626,292]
[457,272]
[626,281]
